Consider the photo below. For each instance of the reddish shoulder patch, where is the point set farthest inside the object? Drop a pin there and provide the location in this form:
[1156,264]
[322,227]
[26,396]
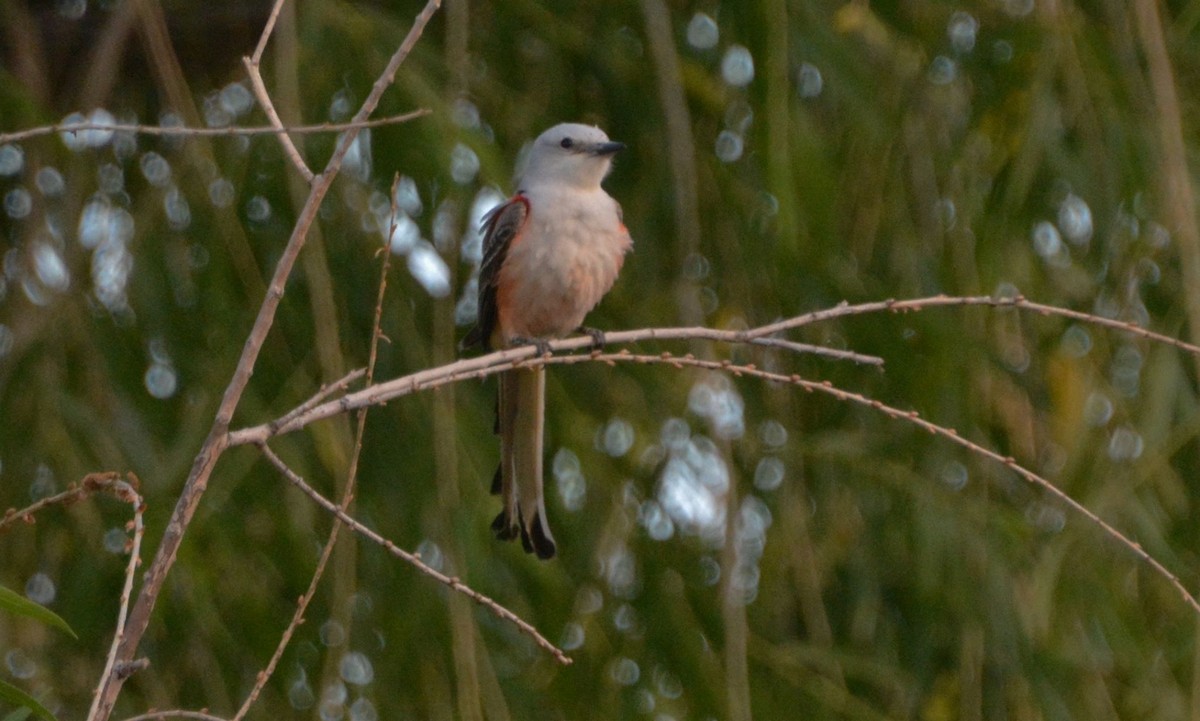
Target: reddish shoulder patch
[513,216]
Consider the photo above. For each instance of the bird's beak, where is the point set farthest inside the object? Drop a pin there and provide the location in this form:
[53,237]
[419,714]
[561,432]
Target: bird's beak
[608,148]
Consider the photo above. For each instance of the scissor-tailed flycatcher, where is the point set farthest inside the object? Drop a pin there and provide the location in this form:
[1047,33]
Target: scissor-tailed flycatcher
[549,254]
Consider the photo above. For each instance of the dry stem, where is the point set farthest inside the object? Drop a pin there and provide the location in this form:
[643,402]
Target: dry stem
[106,482]
[347,495]
[414,559]
[216,443]
[230,131]
[127,493]
[484,366]
[524,357]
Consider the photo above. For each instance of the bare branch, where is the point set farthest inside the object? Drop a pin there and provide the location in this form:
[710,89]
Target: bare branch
[175,713]
[942,301]
[524,357]
[414,559]
[269,28]
[907,416]
[486,365]
[135,560]
[111,483]
[215,443]
[347,494]
[252,65]
[106,482]
[264,99]
[819,350]
[231,131]
[326,390]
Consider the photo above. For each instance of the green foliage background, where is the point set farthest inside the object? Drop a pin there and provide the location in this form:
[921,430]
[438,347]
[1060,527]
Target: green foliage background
[900,577]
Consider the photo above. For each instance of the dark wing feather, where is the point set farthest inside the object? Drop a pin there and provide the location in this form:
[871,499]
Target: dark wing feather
[500,226]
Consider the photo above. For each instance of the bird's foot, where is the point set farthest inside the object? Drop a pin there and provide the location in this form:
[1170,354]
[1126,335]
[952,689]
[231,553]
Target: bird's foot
[597,336]
[541,345]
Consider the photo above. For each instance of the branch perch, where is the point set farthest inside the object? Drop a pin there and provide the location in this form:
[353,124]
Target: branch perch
[486,365]
[526,357]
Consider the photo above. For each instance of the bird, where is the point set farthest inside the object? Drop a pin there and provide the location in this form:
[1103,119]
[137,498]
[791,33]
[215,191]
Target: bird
[550,253]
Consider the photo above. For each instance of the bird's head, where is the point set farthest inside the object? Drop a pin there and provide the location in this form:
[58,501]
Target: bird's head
[570,154]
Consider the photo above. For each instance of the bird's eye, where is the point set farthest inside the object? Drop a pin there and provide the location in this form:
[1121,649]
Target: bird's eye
[567,142]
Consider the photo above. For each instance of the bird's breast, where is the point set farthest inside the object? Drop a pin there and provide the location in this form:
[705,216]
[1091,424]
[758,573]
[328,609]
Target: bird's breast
[564,260]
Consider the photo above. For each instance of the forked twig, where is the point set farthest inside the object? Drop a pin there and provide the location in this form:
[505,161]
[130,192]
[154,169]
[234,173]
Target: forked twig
[268,30]
[110,483]
[523,356]
[252,63]
[264,99]
[486,365]
[326,390]
[216,441]
[347,495]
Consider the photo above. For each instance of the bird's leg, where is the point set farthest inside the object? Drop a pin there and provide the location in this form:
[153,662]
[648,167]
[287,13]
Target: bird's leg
[597,336]
[540,344]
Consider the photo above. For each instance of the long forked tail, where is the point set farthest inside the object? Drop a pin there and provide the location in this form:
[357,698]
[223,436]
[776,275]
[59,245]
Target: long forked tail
[520,416]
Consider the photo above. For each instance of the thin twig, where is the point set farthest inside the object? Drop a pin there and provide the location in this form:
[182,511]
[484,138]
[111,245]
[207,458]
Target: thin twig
[175,713]
[252,65]
[268,29]
[908,416]
[524,356]
[481,367]
[326,390]
[347,495]
[377,319]
[108,482]
[414,559]
[382,392]
[216,441]
[127,492]
[264,99]
[486,365]
[229,131]
[836,353]
[843,310]
[105,482]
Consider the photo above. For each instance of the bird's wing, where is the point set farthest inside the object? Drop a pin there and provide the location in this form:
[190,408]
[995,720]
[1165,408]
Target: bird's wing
[500,226]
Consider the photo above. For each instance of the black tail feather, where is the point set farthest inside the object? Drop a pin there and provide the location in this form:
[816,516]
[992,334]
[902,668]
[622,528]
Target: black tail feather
[504,530]
[536,542]
[540,542]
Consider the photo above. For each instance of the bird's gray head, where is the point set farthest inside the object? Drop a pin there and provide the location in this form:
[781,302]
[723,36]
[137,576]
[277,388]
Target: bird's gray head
[570,154]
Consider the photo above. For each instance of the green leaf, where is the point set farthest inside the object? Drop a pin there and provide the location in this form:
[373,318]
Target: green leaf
[19,715]
[12,601]
[16,696]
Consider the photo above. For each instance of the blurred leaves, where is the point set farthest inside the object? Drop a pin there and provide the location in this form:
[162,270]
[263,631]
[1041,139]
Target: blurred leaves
[874,151]
[18,605]
[25,704]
